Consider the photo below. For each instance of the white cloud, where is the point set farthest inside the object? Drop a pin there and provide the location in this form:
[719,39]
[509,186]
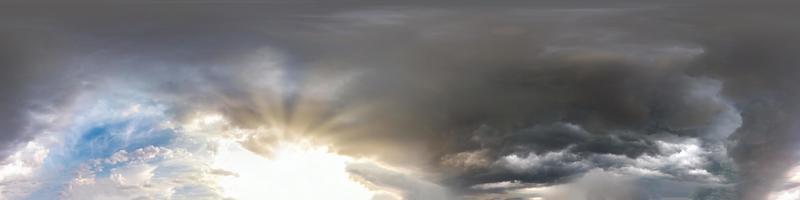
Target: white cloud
[786,194]
[682,158]
[790,188]
[141,154]
[17,172]
[130,175]
[24,161]
[532,161]
[131,181]
[498,185]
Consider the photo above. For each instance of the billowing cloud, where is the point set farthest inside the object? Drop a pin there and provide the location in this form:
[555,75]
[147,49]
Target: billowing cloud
[407,100]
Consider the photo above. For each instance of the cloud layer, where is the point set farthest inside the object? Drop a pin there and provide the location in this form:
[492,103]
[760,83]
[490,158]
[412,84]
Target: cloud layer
[414,101]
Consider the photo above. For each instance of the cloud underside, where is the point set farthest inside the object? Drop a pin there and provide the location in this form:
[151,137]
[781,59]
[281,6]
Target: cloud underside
[462,102]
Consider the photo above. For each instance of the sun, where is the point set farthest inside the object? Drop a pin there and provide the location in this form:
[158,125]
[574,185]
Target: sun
[292,172]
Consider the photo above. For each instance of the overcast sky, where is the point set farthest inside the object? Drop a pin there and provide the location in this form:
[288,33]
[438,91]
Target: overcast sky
[415,100]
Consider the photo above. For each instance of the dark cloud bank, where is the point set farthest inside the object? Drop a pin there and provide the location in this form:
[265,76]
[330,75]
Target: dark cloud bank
[534,94]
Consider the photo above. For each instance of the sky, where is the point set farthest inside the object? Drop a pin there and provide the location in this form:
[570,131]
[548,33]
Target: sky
[399,100]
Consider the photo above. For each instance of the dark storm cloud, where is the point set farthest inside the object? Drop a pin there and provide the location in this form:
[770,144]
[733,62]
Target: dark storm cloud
[754,56]
[29,78]
[440,87]
[496,84]
[11,101]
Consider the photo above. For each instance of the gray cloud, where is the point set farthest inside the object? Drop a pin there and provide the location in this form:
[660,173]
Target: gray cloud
[452,90]
[408,186]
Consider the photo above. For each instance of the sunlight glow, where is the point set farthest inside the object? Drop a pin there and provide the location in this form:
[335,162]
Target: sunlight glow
[293,172]
[789,194]
[793,193]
